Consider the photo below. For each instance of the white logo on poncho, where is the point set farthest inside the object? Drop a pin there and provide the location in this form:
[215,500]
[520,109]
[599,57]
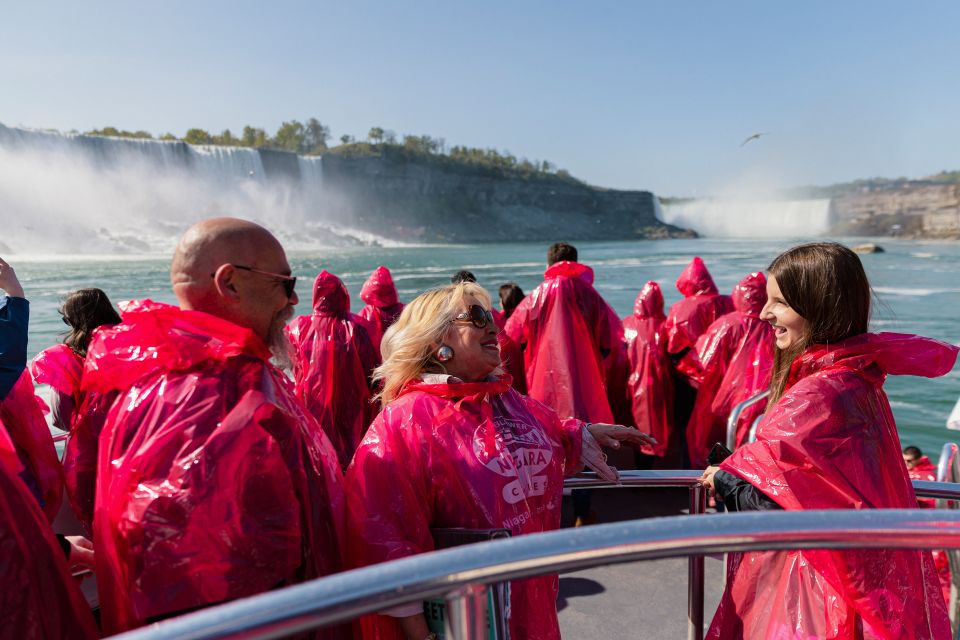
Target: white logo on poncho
[514,449]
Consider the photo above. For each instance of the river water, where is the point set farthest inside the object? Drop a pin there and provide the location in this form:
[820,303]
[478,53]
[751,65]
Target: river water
[917,288]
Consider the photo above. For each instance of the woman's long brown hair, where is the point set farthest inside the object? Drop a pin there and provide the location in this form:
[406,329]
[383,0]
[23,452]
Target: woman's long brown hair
[84,310]
[825,283]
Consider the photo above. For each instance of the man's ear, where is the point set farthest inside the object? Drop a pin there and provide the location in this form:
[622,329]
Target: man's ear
[225,282]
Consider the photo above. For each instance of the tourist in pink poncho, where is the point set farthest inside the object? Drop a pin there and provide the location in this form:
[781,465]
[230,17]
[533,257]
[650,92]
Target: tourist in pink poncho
[650,384]
[333,360]
[456,446]
[383,305]
[829,441]
[572,342]
[731,362]
[700,306]
[214,482]
[81,414]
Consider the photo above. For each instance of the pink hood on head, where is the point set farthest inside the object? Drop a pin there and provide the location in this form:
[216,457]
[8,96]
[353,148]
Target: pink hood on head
[696,280]
[379,290]
[568,269]
[330,296]
[649,302]
[750,294]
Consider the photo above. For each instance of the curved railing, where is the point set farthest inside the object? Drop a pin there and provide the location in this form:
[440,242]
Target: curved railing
[459,574]
[735,417]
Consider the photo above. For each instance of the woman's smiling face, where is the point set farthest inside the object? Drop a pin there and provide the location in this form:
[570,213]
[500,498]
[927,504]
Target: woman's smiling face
[476,351]
[788,325]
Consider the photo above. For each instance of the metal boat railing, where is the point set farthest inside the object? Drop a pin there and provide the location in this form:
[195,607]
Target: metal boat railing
[948,470]
[734,417]
[459,575]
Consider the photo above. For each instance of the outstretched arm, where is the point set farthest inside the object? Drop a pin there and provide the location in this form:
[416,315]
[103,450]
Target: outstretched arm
[14,319]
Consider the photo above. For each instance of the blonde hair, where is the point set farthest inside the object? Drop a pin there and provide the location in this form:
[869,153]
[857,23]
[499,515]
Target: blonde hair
[409,346]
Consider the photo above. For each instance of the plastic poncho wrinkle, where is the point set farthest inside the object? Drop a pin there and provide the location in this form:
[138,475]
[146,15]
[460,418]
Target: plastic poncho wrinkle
[829,443]
[472,455]
[221,485]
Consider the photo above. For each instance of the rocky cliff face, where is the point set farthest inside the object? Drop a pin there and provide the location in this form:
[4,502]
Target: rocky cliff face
[916,209]
[435,201]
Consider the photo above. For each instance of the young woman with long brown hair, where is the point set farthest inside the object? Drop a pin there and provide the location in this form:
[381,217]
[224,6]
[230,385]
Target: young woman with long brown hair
[828,441]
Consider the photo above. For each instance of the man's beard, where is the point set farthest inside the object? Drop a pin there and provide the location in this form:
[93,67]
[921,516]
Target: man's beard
[277,339]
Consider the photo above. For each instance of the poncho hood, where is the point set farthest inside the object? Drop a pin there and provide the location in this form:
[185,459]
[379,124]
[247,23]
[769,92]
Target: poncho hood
[696,280]
[379,289]
[330,295]
[649,302]
[569,269]
[750,294]
[155,337]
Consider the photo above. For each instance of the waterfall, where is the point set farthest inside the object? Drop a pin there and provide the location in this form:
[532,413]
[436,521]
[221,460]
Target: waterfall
[89,194]
[750,219]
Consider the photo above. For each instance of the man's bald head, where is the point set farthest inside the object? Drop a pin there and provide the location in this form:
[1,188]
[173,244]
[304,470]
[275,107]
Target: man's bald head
[215,267]
[216,241]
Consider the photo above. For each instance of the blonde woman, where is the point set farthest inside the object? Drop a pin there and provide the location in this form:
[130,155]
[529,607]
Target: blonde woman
[456,446]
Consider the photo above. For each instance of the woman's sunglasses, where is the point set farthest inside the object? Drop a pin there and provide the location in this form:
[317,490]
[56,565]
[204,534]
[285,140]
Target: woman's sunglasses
[477,315]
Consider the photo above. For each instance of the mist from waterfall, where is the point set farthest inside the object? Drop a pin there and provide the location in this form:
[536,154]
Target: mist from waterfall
[766,218]
[63,193]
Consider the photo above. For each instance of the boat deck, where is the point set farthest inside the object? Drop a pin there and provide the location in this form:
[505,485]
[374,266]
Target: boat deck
[640,599]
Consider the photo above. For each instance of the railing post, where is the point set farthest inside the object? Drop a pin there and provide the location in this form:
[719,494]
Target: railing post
[467,613]
[698,505]
[948,470]
[734,417]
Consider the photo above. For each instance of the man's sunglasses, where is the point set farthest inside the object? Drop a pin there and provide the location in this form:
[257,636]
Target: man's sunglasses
[289,282]
[478,316]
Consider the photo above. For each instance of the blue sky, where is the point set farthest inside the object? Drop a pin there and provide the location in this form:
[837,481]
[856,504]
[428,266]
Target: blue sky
[628,95]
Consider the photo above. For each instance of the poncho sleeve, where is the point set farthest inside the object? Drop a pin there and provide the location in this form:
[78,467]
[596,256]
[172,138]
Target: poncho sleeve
[389,502]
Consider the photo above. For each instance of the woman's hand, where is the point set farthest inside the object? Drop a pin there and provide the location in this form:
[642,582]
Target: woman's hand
[611,435]
[707,478]
[8,280]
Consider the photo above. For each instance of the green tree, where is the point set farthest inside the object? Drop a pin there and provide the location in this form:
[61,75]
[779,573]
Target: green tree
[168,136]
[316,135]
[226,139]
[253,137]
[291,136]
[197,136]
[375,135]
[346,139]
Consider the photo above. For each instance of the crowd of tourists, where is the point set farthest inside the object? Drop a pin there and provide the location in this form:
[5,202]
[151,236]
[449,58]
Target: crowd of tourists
[219,447]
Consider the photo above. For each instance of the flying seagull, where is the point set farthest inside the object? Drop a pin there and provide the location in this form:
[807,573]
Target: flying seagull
[754,137]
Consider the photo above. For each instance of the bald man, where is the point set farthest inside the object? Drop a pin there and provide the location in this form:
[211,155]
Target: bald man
[214,482]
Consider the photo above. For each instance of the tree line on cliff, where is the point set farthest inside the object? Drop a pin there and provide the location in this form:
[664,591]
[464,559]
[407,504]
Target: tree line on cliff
[313,138]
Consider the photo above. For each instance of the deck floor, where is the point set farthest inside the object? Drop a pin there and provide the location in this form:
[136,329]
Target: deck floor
[639,599]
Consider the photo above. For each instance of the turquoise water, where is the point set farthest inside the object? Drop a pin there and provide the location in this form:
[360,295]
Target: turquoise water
[917,286]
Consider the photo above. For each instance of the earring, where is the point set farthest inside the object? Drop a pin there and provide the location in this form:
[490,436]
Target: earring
[445,353]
